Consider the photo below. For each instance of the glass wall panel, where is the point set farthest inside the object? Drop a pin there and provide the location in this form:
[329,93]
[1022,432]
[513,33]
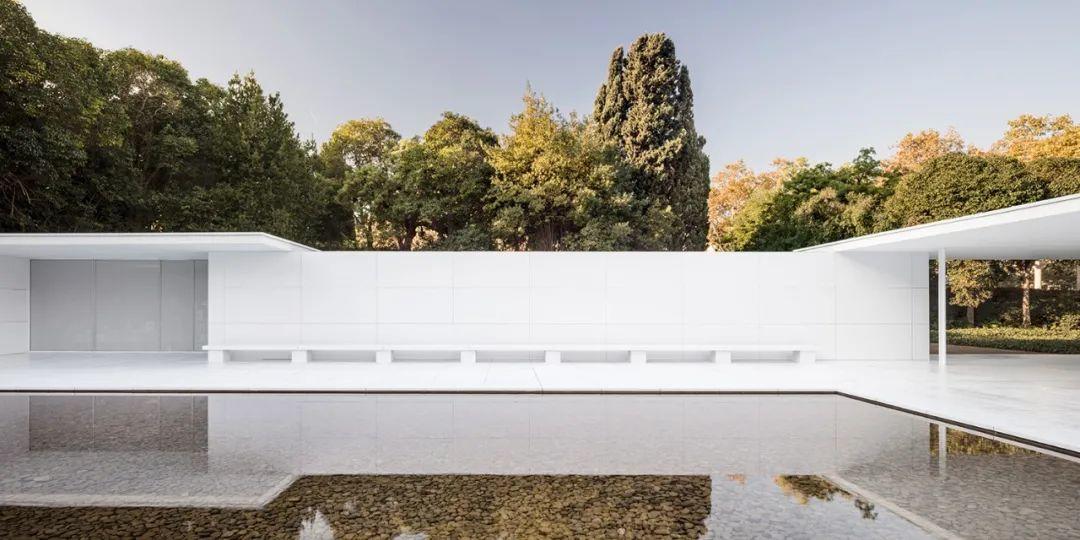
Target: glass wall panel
[61,305]
[117,305]
[201,311]
[177,305]
[128,311]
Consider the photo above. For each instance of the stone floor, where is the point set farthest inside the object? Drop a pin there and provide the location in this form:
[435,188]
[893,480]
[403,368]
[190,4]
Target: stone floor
[1036,397]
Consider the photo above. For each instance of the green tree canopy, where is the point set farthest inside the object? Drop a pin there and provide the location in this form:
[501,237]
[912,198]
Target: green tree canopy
[58,129]
[1061,175]
[556,185]
[426,192]
[261,176]
[817,204]
[646,109]
[972,282]
[955,185]
[458,182]
[356,160]
[95,140]
[357,143]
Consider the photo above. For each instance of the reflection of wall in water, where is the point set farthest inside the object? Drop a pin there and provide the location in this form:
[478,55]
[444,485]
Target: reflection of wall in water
[572,434]
[483,434]
[118,423]
[118,450]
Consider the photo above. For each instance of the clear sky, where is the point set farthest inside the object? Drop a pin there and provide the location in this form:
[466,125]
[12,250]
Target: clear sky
[807,78]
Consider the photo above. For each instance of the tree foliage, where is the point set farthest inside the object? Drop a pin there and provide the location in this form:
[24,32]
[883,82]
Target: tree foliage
[955,185]
[94,140]
[817,204]
[357,159]
[357,143]
[645,108]
[55,117]
[557,185]
[421,193]
[733,187]
[972,282]
[914,149]
[1030,137]
[1061,175]
[460,177]
[931,176]
[258,175]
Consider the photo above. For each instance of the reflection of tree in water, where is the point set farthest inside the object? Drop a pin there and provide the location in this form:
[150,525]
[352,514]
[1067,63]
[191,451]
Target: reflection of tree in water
[962,443]
[471,506]
[803,488]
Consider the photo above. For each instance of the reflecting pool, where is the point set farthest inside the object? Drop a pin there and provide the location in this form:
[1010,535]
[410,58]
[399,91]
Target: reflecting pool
[514,466]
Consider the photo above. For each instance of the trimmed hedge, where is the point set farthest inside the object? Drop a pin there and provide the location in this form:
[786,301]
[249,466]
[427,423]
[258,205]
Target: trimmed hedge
[1042,340]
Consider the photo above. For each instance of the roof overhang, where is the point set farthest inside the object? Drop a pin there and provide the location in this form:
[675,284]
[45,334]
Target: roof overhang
[139,245]
[1048,229]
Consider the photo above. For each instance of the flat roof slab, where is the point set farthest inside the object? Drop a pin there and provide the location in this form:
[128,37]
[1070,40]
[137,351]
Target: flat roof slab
[139,245]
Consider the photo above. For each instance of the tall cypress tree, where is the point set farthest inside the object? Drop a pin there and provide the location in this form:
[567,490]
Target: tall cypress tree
[646,108]
[609,113]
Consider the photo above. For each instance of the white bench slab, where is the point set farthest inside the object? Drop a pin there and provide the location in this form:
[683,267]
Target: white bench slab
[638,353]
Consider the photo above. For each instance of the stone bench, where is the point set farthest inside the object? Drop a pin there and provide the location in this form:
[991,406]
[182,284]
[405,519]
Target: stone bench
[552,354]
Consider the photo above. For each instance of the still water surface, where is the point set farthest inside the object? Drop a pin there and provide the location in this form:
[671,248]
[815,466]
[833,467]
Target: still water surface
[513,466]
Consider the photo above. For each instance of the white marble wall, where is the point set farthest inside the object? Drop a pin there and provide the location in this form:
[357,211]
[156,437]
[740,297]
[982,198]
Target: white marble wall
[14,305]
[849,307]
[882,307]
